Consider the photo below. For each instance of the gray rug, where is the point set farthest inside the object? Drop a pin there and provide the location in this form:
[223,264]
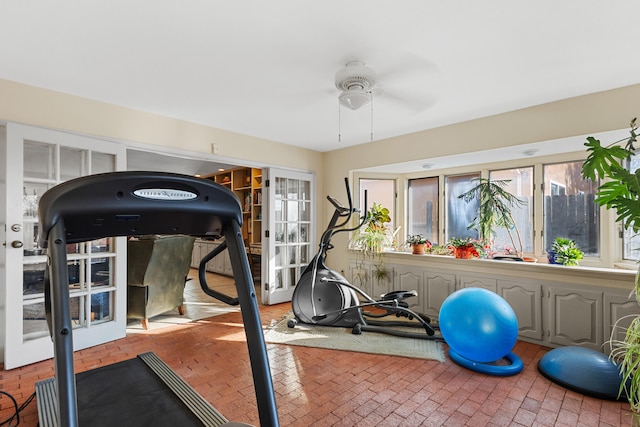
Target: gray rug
[342,339]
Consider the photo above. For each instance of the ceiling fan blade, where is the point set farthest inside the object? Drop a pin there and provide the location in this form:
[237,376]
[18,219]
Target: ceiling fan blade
[414,102]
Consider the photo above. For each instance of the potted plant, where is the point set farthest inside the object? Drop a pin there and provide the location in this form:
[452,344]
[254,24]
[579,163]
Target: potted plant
[565,251]
[419,244]
[466,247]
[494,210]
[372,238]
[620,190]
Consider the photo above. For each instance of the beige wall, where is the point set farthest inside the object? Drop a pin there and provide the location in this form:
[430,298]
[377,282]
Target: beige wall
[55,110]
[594,113]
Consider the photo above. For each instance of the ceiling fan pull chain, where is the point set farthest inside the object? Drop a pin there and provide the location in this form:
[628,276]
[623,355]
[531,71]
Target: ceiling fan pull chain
[339,123]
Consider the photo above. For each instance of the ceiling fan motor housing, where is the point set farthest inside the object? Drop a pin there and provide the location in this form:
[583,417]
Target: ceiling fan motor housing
[356,81]
[355,75]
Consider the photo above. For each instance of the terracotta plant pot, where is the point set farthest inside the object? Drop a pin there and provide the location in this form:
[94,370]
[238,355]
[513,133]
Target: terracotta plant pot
[418,249]
[465,252]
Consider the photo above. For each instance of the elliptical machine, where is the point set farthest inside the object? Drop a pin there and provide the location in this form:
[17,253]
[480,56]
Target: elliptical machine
[323,296]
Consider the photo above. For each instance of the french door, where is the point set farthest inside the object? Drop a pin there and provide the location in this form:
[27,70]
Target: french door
[290,235]
[34,160]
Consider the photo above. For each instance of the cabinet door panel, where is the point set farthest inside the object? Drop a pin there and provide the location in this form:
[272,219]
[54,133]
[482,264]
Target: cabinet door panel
[478,282]
[410,279]
[437,287]
[359,276]
[575,317]
[619,311]
[526,301]
[381,283]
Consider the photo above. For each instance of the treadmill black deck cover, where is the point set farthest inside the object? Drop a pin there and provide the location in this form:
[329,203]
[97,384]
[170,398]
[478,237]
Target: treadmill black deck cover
[129,393]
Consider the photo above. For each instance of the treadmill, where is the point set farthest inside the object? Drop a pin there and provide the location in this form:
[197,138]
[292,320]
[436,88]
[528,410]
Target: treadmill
[140,203]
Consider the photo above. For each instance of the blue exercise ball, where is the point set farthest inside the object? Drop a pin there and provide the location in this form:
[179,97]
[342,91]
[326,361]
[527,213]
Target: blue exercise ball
[478,324]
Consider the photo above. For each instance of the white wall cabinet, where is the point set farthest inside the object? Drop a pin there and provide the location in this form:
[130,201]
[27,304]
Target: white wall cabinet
[555,306]
[220,264]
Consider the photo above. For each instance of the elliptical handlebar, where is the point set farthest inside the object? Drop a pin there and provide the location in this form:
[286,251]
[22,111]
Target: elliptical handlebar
[342,211]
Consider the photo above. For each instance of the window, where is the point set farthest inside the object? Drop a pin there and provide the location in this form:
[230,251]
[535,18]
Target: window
[520,185]
[569,207]
[631,240]
[381,191]
[460,213]
[423,208]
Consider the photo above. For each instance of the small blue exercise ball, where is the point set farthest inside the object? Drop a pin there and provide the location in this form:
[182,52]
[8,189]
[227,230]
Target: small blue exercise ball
[478,324]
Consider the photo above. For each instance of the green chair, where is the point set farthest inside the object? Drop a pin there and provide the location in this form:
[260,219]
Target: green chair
[157,269]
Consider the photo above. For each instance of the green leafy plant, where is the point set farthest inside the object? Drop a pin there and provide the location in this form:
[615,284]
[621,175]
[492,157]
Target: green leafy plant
[439,250]
[494,210]
[477,247]
[372,238]
[621,192]
[417,239]
[566,251]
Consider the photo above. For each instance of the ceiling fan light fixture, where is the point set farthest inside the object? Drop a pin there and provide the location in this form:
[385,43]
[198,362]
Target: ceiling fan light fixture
[354,99]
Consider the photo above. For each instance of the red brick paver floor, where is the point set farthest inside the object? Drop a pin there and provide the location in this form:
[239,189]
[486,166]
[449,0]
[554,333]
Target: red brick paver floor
[316,387]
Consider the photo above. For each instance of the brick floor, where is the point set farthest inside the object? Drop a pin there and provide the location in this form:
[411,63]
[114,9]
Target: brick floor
[316,387]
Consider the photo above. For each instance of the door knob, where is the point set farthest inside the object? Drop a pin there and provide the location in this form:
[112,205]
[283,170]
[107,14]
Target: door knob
[16,227]
[16,244]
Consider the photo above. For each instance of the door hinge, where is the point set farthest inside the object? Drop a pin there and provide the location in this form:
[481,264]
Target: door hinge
[267,183]
[266,286]
[266,234]
[621,234]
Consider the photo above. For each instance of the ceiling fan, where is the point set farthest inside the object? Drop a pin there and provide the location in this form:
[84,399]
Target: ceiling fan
[355,81]
[413,86]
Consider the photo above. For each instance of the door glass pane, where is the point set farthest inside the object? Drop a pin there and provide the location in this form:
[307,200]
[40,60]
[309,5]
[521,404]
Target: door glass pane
[281,188]
[292,189]
[76,274]
[33,280]
[278,207]
[520,185]
[304,254]
[305,211]
[78,317]
[460,213]
[39,161]
[305,190]
[72,163]
[102,162]
[34,322]
[292,233]
[279,282]
[569,207]
[292,210]
[101,306]
[423,208]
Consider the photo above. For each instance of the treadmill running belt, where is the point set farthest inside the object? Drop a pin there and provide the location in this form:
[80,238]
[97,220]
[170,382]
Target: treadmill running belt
[132,393]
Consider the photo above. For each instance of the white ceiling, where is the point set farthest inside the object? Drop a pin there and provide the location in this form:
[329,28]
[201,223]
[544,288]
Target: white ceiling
[266,68]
